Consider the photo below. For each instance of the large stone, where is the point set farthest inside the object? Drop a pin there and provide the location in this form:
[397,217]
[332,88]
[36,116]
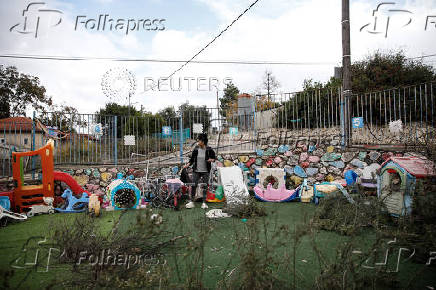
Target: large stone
[288,153]
[220,158]
[320,177]
[269,162]
[329,156]
[81,179]
[283,148]
[250,162]
[329,178]
[79,171]
[305,164]
[96,173]
[91,187]
[374,155]
[259,152]
[311,171]
[102,169]
[270,151]
[334,170]
[282,164]
[314,159]
[296,180]
[87,171]
[277,160]
[303,157]
[362,155]
[323,170]
[259,161]
[293,160]
[289,170]
[357,163]
[387,155]
[103,184]
[299,171]
[348,156]
[69,171]
[113,170]
[106,176]
[338,164]
[243,158]
[330,149]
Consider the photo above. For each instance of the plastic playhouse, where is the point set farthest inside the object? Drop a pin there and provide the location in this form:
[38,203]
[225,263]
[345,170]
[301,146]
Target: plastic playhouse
[26,196]
[398,179]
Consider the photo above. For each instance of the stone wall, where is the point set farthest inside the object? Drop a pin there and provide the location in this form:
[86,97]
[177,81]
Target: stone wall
[316,161]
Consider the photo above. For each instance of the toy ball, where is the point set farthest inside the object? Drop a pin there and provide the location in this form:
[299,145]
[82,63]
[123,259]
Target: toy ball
[244,220]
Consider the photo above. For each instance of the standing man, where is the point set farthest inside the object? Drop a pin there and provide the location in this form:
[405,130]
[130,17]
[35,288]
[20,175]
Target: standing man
[201,160]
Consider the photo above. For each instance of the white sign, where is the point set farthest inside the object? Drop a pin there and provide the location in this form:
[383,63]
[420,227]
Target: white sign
[129,140]
[197,128]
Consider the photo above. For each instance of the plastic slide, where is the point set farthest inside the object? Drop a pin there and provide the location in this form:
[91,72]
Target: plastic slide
[70,181]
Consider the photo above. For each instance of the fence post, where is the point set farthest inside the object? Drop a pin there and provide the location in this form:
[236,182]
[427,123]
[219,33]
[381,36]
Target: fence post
[33,144]
[115,141]
[181,137]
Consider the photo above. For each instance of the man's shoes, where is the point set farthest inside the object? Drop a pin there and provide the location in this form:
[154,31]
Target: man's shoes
[204,206]
[190,204]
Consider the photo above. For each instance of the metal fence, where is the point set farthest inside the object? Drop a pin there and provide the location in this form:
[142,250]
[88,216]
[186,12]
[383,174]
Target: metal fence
[400,116]
[88,139]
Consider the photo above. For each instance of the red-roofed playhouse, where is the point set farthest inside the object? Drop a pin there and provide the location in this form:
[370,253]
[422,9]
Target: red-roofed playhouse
[398,179]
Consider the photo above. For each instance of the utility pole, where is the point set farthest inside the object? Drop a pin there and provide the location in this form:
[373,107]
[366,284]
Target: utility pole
[346,74]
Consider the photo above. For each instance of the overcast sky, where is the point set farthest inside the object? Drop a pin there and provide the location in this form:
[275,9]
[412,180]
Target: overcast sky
[273,30]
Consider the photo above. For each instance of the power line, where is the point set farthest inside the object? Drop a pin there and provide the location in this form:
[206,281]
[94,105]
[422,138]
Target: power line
[215,38]
[79,58]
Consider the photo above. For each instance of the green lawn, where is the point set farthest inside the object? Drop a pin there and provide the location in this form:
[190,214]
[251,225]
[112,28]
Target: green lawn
[221,254]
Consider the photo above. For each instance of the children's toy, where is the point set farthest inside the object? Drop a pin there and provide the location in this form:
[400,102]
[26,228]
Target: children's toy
[70,181]
[4,214]
[233,184]
[306,192]
[274,176]
[326,189]
[275,195]
[398,179]
[94,205]
[74,204]
[271,185]
[7,195]
[25,196]
[123,194]
[217,196]
[39,208]
[5,202]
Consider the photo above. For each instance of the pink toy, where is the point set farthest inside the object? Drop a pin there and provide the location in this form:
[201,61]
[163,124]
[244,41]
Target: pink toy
[275,195]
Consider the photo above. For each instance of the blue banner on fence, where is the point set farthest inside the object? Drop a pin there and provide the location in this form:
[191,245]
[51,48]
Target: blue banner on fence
[357,122]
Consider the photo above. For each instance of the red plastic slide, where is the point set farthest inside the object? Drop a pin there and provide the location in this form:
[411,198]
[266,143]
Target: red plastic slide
[70,181]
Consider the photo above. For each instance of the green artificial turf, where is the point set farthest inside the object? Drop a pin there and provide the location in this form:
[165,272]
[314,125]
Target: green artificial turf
[220,253]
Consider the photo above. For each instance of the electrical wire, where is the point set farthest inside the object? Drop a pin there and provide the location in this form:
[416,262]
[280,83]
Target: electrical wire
[78,58]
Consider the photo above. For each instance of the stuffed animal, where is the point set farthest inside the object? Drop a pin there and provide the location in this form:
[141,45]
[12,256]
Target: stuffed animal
[40,208]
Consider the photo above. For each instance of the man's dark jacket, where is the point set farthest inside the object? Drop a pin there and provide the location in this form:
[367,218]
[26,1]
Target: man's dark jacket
[210,154]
